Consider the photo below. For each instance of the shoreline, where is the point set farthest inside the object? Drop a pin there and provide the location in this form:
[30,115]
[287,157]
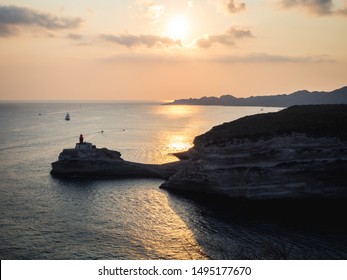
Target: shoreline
[296,153]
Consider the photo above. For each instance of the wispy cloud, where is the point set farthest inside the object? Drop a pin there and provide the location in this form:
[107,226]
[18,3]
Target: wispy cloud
[228,38]
[222,59]
[148,40]
[151,10]
[12,18]
[74,36]
[229,6]
[234,8]
[271,58]
[315,7]
[148,57]
[342,12]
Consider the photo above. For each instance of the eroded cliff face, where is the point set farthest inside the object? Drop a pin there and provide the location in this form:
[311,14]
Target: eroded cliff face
[299,152]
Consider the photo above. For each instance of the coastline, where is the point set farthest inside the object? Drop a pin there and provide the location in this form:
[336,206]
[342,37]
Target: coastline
[302,97]
[301,153]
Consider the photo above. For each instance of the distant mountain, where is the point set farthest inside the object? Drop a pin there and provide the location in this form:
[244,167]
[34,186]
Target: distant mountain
[302,97]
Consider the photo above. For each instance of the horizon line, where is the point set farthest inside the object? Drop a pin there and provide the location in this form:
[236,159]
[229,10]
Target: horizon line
[78,101]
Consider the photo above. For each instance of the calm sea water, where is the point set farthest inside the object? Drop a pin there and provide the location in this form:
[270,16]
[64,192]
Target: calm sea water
[48,218]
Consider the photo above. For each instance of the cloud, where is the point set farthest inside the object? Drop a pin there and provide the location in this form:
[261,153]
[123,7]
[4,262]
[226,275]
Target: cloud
[148,41]
[234,8]
[151,10]
[74,36]
[315,7]
[12,18]
[149,57]
[5,30]
[342,12]
[228,38]
[258,58]
[271,58]
[229,6]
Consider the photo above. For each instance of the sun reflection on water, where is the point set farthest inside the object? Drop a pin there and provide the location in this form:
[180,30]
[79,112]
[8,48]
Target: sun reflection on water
[178,136]
[158,229]
[179,143]
[177,111]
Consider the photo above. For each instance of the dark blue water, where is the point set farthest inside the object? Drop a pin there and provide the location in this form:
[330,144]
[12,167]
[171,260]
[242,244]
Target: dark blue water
[46,218]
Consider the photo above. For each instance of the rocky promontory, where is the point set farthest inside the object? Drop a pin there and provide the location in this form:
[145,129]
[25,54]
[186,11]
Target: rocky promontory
[85,160]
[299,152]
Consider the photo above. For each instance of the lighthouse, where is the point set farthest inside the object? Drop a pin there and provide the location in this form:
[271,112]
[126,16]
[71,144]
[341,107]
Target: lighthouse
[81,145]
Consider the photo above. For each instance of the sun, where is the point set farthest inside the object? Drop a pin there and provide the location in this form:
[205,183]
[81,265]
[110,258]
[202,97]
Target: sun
[178,27]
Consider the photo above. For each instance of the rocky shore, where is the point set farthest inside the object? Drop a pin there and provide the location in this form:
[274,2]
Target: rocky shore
[104,163]
[299,152]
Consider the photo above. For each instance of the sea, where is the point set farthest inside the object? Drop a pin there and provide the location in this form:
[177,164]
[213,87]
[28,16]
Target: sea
[42,217]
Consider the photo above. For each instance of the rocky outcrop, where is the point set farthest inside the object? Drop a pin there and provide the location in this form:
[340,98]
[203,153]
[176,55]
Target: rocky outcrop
[299,152]
[94,162]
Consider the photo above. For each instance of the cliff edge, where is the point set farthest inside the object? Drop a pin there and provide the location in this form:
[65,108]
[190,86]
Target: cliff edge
[299,152]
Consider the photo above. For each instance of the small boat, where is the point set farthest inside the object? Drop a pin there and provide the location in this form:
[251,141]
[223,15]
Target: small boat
[67,117]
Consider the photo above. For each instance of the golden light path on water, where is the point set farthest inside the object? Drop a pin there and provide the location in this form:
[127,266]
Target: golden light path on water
[153,222]
[180,241]
[181,138]
[178,143]
[147,223]
[160,221]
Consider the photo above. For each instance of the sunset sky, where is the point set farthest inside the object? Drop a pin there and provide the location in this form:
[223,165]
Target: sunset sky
[164,50]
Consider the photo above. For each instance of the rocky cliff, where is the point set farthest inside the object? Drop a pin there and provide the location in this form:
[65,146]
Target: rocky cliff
[299,152]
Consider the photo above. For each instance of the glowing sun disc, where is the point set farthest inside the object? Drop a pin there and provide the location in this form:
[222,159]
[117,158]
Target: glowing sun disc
[178,27]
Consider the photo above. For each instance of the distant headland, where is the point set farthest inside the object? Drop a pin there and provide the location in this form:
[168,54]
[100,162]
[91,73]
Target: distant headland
[302,97]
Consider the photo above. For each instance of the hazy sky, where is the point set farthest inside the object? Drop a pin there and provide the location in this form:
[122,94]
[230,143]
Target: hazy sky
[162,50]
